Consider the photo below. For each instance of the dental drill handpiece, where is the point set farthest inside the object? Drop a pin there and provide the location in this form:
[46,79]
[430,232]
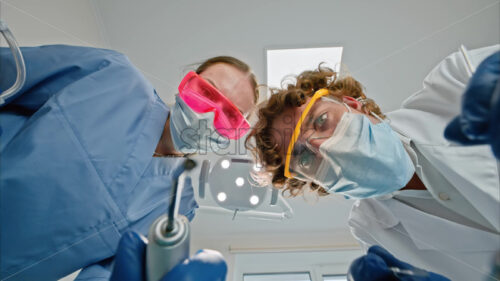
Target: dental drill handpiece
[169,234]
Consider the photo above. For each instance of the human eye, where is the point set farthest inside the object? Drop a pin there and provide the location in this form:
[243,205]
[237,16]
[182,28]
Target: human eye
[302,156]
[306,159]
[320,121]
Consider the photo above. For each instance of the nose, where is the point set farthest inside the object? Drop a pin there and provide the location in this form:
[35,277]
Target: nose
[315,142]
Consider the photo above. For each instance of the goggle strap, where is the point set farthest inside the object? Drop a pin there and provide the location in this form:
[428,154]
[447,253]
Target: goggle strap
[186,79]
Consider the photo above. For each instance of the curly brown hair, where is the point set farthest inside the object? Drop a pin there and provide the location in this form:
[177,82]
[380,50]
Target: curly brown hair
[267,151]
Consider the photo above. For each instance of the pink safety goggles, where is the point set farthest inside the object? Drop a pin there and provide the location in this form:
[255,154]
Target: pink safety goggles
[202,97]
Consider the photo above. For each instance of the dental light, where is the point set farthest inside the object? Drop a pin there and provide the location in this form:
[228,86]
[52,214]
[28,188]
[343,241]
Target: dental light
[239,181]
[254,200]
[18,58]
[221,196]
[225,164]
[231,187]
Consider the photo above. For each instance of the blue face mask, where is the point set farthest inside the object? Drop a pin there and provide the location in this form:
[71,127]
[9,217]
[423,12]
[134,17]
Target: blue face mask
[194,132]
[362,159]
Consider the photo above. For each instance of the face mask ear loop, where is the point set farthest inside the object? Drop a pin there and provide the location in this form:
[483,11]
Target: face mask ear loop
[348,107]
[388,121]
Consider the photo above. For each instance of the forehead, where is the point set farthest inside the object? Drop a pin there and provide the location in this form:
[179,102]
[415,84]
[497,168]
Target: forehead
[232,83]
[283,126]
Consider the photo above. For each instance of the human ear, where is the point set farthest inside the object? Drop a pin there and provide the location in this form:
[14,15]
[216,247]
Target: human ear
[352,102]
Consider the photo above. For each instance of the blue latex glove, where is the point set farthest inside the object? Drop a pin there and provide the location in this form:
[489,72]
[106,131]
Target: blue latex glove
[379,265]
[130,260]
[479,122]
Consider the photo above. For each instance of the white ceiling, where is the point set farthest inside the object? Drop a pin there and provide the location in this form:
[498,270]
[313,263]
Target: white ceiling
[389,45]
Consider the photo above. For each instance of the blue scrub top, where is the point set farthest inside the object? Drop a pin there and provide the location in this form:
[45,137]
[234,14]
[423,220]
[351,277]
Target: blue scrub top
[76,165]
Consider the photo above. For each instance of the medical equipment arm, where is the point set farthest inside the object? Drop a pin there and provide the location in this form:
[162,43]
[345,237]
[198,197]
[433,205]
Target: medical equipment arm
[19,61]
[130,263]
[50,69]
[478,122]
[379,264]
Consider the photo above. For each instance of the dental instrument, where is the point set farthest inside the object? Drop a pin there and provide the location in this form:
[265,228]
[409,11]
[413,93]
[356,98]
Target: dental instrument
[169,234]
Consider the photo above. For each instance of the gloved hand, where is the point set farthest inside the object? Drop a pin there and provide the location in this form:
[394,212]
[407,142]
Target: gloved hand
[479,122]
[130,263]
[379,265]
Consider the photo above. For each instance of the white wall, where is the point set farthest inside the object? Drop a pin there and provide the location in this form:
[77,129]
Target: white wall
[36,22]
[316,262]
[263,242]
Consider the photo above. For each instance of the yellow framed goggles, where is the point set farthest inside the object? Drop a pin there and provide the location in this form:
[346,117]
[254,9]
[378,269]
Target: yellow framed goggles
[296,132]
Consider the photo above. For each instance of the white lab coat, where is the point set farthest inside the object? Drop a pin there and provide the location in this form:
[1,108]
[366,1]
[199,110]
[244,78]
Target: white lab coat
[453,228]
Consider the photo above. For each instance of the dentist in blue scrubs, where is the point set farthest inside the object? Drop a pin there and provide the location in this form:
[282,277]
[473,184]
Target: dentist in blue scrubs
[76,157]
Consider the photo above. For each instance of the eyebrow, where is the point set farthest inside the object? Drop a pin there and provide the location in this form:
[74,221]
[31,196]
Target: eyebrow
[310,114]
[215,86]
[211,82]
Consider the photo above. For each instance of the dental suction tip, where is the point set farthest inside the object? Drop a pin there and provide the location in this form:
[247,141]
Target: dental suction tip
[189,164]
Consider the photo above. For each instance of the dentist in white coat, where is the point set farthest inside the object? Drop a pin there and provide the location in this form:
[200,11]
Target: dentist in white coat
[453,227]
